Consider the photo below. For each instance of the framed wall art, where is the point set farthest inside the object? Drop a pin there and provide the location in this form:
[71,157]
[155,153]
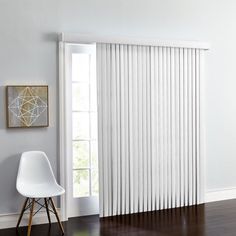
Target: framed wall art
[27,106]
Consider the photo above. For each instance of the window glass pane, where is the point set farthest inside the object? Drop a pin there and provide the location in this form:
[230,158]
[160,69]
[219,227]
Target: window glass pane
[94,131]
[80,96]
[94,182]
[84,125]
[80,67]
[80,154]
[93,96]
[94,154]
[80,183]
[80,125]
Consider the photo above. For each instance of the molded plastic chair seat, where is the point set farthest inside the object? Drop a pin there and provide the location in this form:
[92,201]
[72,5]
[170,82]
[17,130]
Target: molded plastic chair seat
[44,190]
[35,176]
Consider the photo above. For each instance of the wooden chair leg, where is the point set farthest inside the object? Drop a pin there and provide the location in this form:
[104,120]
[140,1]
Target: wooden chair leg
[30,218]
[48,213]
[22,212]
[57,216]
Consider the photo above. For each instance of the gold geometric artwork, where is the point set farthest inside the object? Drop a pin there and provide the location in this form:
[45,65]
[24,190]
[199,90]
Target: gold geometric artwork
[27,106]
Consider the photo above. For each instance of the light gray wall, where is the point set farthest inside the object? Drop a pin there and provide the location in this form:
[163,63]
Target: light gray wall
[28,55]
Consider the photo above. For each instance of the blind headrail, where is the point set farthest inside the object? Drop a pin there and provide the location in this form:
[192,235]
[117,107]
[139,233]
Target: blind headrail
[73,38]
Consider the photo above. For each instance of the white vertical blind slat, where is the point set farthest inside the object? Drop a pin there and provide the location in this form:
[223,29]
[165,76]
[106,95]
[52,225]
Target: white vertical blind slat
[177,125]
[122,124]
[202,127]
[194,123]
[173,118]
[165,131]
[109,160]
[140,130]
[153,132]
[190,118]
[130,129]
[125,113]
[149,173]
[155,129]
[105,131]
[197,125]
[144,126]
[127,157]
[135,128]
[185,122]
[161,127]
[118,126]
[181,136]
[150,118]
[114,137]
[168,170]
[100,136]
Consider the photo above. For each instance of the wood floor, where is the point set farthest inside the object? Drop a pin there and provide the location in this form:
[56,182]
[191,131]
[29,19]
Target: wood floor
[211,219]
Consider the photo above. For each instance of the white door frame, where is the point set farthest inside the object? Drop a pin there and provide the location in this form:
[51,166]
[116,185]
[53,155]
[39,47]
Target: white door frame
[63,128]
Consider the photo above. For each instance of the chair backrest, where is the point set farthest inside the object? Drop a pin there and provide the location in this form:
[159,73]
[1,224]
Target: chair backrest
[34,168]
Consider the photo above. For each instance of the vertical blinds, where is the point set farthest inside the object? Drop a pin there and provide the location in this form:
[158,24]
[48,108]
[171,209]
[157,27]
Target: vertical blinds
[150,128]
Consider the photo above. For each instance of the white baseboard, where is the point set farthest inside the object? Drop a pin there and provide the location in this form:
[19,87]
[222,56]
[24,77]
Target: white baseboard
[10,220]
[215,195]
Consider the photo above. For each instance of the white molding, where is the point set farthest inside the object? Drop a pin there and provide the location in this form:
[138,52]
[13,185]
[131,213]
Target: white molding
[10,220]
[62,132]
[220,194]
[87,39]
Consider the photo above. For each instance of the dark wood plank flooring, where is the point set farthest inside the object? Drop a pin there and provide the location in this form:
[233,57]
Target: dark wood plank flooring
[211,219]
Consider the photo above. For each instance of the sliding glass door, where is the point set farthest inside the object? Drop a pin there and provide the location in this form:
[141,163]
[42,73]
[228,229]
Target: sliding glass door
[83,166]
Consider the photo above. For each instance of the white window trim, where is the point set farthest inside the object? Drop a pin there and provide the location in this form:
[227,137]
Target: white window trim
[63,142]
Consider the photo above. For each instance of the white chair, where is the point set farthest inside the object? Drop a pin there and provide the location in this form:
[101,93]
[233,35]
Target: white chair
[35,181]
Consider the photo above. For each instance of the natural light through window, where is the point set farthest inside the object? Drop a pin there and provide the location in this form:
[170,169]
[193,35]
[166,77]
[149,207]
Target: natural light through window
[84,126]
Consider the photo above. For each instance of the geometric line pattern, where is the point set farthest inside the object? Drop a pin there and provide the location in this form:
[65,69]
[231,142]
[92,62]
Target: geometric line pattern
[27,107]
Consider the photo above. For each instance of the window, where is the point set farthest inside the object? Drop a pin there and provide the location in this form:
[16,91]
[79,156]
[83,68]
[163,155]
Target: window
[84,126]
